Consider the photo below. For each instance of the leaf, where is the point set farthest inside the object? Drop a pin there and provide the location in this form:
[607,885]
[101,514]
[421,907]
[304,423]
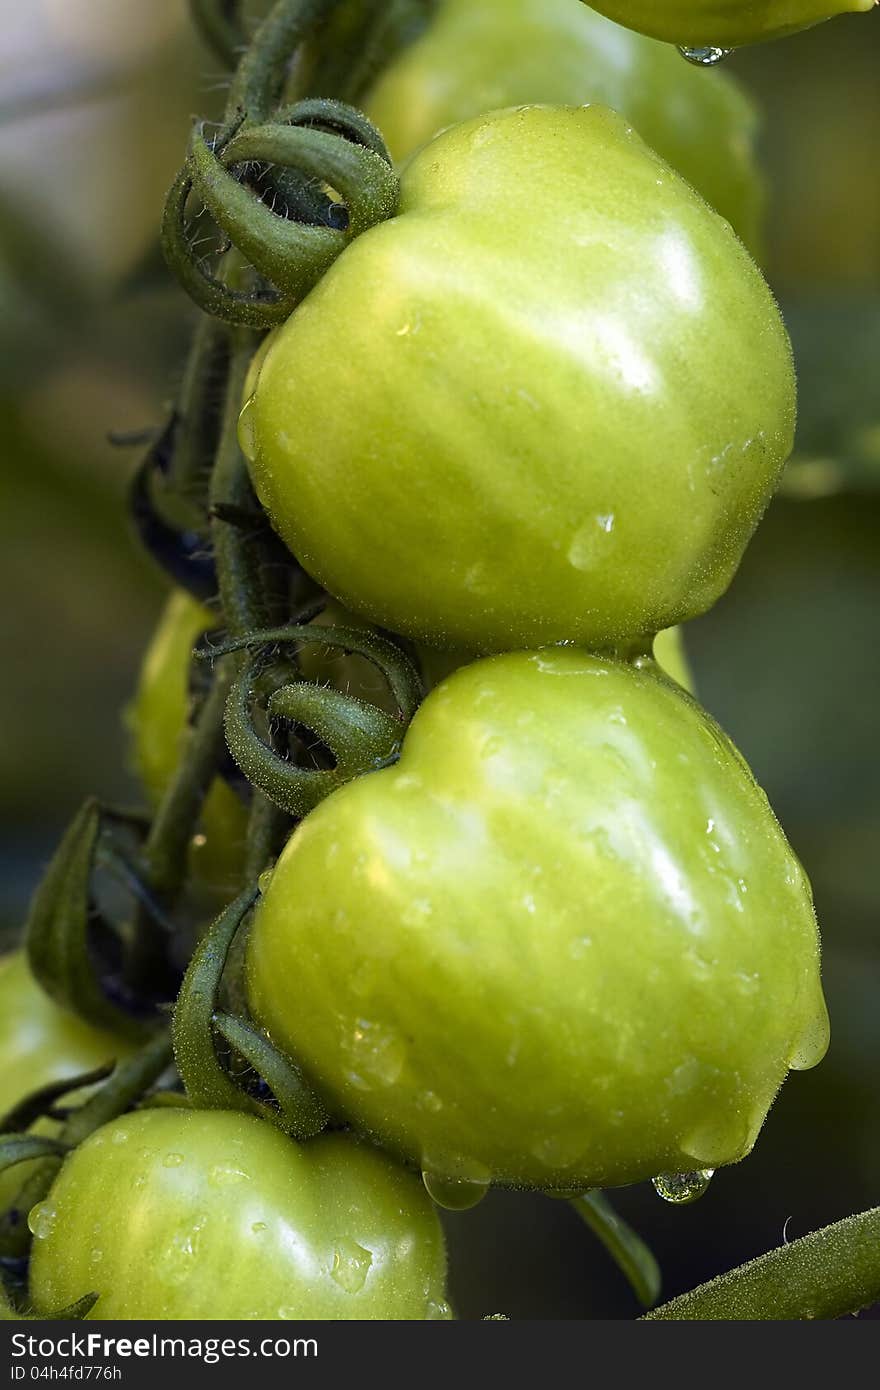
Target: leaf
[828,1274]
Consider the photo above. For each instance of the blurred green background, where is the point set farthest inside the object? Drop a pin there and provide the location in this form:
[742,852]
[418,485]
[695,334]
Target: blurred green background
[96,98]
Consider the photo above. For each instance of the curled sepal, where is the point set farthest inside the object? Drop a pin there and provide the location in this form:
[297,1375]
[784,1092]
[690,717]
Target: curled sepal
[359,737]
[74,1312]
[41,1102]
[301,1113]
[317,146]
[827,1274]
[208,1084]
[60,937]
[626,1248]
[22,1148]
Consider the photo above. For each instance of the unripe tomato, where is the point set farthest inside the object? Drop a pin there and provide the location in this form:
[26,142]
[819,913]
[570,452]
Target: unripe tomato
[215,1214]
[671,655]
[480,55]
[41,1043]
[562,943]
[723,23]
[158,719]
[564,399]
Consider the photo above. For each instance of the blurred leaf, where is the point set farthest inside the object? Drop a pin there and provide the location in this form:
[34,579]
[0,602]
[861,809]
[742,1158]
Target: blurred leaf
[837,351]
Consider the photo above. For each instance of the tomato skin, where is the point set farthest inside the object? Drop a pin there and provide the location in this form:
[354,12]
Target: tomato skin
[564,414]
[41,1043]
[158,720]
[214,1214]
[480,55]
[724,23]
[563,942]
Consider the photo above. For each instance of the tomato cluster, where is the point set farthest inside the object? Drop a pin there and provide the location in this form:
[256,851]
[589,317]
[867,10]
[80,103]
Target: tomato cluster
[525,426]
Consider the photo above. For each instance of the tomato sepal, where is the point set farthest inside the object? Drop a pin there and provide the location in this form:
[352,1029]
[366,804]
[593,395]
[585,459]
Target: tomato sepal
[197,1020]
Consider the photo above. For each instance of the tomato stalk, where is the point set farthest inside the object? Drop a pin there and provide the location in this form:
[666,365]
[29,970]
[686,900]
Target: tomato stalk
[221,26]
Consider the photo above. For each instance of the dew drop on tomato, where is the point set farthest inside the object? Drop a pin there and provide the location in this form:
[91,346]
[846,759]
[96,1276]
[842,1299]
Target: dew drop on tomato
[680,1188]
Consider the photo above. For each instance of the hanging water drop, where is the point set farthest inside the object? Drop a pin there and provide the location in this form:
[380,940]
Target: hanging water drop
[41,1220]
[707,57]
[681,1188]
[456,1186]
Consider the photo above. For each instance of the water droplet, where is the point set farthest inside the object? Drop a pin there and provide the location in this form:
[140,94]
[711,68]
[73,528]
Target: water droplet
[288,1314]
[429,1100]
[224,1175]
[813,1043]
[95,1255]
[681,1188]
[41,1220]
[265,879]
[351,1265]
[247,436]
[435,1312]
[589,545]
[456,1184]
[258,1227]
[377,1053]
[707,57]
[172,1160]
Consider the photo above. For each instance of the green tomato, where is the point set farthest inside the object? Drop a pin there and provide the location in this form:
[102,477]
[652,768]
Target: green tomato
[158,721]
[564,401]
[723,23]
[217,1215]
[562,943]
[41,1043]
[671,656]
[480,55]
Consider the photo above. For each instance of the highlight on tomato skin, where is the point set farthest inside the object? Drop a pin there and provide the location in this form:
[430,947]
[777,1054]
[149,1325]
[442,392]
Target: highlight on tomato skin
[215,1214]
[724,23]
[479,57]
[562,943]
[610,311]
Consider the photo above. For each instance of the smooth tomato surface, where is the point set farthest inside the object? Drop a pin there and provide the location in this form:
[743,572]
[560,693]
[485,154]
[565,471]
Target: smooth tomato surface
[564,401]
[213,1214]
[563,942]
[723,23]
[480,55]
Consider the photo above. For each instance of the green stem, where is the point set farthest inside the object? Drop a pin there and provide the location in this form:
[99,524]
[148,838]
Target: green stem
[259,82]
[626,1248]
[196,427]
[219,23]
[827,1274]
